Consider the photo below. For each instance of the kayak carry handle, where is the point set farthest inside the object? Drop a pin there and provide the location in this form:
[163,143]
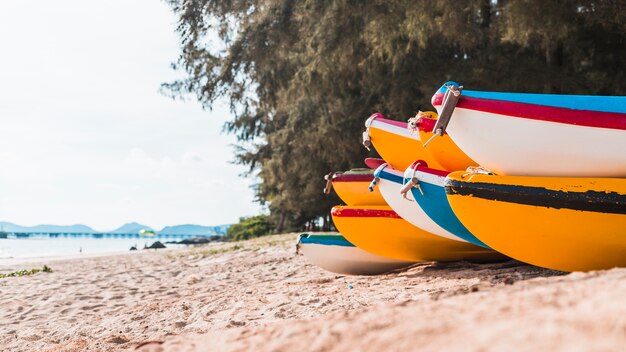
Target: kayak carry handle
[329,182]
[450,99]
[413,183]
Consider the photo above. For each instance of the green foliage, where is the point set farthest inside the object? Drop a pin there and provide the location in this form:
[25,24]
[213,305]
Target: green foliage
[302,76]
[19,273]
[251,227]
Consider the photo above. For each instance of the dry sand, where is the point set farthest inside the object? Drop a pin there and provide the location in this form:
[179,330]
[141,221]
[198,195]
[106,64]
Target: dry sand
[257,295]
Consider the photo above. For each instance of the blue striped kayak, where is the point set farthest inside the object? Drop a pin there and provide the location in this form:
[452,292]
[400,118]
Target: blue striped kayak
[536,134]
[332,252]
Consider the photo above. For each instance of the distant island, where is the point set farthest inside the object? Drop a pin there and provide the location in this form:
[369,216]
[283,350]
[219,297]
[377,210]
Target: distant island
[132,227]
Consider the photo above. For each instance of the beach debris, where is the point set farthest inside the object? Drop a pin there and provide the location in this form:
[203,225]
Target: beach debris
[199,240]
[147,343]
[156,245]
[19,273]
[118,339]
[133,248]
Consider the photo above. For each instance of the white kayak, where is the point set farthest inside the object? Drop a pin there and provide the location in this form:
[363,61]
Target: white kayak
[536,134]
[390,181]
[334,253]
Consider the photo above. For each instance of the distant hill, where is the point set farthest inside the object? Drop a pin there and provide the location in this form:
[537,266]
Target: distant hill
[131,227]
[197,230]
[10,227]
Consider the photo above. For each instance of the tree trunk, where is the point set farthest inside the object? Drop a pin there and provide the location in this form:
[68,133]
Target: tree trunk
[554,62]
[554,54]
[325,223]
[281,222]
[485,14]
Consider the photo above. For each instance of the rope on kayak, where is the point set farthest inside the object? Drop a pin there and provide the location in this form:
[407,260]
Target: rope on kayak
[367,140]
[472,170]
[413,183]
[329,182]
[413,123]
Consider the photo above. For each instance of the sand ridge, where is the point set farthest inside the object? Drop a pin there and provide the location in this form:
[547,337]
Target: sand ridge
[258,295]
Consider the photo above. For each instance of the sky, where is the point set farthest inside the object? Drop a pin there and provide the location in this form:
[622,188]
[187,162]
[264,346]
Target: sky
[85,135]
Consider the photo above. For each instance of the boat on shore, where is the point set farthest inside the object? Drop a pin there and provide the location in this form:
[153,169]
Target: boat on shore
[395,143]
[381,231]
[526,134]
[441,148]
[561,223]
[426,185]
[332,252]
[390,183]
[352,187]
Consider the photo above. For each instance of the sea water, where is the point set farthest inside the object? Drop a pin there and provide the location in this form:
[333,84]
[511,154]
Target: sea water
[45,246]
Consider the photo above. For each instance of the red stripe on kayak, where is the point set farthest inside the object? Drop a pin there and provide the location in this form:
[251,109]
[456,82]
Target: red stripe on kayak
[433,171]
[353,178]
[363,213]
[588,118]
[381,118]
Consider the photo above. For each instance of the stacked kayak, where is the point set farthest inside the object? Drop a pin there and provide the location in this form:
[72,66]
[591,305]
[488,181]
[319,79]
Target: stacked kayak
[334,253]
[367,224]
[538,134]
[540,178]
[352,187]
[395,143]
[562,223]
[550,189]
[381,231]
[442,149]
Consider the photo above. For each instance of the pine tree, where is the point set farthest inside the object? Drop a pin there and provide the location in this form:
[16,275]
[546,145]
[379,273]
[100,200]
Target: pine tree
[302,76]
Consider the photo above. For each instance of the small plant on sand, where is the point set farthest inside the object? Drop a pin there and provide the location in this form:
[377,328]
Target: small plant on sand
[200,252]
[45,269]
[214,251]
[247,228]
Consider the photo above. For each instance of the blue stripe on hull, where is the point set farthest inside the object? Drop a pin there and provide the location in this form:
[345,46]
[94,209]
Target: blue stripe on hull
[388,176]
[435,204]
[326,240]
[616,104]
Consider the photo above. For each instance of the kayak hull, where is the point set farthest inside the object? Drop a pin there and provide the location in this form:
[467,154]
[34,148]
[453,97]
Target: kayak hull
[396,144]
[540,134]
[335,254]
[568,224]
[431,198]
[390,182]
[379,230]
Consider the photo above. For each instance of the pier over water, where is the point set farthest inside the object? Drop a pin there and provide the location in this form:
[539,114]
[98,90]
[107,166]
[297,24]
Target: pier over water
[94,235]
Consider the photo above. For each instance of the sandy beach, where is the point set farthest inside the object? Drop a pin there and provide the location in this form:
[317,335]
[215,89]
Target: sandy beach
[259,295]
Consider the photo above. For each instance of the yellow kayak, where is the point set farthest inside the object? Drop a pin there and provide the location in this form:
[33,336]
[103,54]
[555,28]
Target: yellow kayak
[441,148]
[561,223]
[395,143]
[379,230]
[352,187]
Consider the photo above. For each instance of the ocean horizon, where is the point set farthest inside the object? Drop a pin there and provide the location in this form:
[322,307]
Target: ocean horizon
[37,246]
